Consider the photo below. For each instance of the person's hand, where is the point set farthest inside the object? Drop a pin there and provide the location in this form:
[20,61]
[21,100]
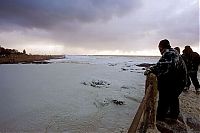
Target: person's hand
[148,71]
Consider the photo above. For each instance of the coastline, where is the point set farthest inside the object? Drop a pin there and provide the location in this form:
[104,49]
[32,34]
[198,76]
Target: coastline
[26,59]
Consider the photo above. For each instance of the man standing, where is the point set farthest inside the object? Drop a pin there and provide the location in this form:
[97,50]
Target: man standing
[171,74]
[192,61]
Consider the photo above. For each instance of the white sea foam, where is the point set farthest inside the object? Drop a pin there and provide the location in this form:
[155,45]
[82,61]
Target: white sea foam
[92,59]
[54,98]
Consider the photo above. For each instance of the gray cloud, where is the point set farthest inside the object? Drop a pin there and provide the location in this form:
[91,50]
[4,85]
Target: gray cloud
[100,24]
[47,13]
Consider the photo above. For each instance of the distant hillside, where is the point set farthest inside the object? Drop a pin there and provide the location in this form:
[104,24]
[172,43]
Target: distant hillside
[13,56]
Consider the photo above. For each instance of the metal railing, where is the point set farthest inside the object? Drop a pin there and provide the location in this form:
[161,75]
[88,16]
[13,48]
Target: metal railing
[145,117]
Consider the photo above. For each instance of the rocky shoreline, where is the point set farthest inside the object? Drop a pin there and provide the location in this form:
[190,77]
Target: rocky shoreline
[190,109]
[189,120]
[29,59]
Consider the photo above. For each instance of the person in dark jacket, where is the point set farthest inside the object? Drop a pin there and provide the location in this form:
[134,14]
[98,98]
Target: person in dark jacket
[171,74]
[192,61]
[177,49]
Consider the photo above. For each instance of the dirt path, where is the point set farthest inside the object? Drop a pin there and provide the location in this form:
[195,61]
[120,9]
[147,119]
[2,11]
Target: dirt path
[190,109]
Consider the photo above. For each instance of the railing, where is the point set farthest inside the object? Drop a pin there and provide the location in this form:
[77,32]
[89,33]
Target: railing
[145,117]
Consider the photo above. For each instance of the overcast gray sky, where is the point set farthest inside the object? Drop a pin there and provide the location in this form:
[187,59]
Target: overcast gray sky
[98,26]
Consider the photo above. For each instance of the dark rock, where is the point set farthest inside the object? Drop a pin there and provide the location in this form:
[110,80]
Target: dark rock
[97,83]
[146,65]
[124,69]
[117,102]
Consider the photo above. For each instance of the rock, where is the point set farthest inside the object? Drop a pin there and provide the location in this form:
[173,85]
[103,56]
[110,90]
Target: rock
[117,102]
[97,83]
[146,65]
[124,69]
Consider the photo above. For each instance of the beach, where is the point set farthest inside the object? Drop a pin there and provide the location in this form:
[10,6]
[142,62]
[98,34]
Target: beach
[76,94]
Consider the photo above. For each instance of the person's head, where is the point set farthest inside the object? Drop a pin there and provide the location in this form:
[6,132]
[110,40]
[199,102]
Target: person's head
[187,50]
[177,49]
[164,44]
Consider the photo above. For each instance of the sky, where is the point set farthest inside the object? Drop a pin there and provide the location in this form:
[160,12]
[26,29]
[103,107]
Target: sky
[98,27]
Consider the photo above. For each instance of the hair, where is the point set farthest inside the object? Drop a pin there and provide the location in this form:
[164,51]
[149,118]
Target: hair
[178,49]
[164,44]
[187,50]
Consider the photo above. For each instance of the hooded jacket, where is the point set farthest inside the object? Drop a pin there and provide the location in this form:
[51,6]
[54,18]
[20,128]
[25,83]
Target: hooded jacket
[170,71]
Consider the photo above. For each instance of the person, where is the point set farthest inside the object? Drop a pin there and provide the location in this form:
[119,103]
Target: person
[171,75]
[177,49]
[192,61]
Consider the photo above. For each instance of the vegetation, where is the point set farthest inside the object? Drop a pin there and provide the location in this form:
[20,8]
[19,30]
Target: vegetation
[6,52]
[13,56]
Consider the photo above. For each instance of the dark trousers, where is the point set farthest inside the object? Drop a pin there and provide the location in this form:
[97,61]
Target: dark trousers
[193,77]
[168,105]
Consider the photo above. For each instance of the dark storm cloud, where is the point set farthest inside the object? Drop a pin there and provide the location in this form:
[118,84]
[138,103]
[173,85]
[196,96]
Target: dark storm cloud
[47,13]
[126,25]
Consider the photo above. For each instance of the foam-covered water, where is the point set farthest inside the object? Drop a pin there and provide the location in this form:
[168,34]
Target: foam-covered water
[53,98]
[91,59]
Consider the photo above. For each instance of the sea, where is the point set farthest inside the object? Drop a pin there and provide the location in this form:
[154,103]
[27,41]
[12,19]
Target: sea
[74,94]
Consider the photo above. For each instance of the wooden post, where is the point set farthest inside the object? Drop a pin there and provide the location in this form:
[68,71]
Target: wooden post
[150,110]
